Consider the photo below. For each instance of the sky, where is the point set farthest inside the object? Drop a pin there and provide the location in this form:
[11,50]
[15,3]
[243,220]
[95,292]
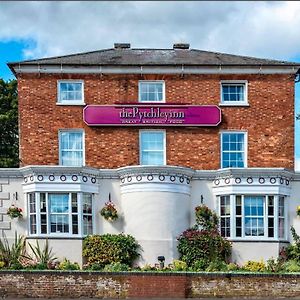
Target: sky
[265,29]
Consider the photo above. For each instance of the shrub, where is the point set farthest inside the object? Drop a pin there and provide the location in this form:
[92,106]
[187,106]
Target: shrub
[254,266]
[232,267]
[110,248]
[116,267]
[274,265]
[41,258]
[179,265]
[216,265]
[199,265]
[293,251]
[195,245]
[2,264]
[93,267]
[148,267]
[10,254]
[203,242]
[67,265]
[206,218]
[291,266]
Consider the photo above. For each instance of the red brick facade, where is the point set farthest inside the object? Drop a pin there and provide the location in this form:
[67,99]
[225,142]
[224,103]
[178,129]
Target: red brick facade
[269,120]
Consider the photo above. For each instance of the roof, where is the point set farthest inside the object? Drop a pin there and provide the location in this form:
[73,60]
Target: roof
[154,57]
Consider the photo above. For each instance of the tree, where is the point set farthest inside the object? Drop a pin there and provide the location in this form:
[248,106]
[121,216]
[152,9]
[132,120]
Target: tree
[9,139]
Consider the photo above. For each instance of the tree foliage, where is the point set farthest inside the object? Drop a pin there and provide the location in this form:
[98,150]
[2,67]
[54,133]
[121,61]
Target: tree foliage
[9,140]
[203,245]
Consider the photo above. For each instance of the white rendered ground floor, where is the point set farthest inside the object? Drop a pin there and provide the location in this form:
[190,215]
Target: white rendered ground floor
[155,204]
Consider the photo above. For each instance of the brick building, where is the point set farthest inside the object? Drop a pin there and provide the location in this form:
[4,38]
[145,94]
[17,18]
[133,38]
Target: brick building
[157,131]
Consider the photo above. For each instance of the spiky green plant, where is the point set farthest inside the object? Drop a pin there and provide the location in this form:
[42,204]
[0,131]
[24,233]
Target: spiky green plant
[10,254]
[44,255]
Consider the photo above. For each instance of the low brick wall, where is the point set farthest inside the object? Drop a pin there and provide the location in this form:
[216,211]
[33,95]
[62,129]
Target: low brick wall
[55,284]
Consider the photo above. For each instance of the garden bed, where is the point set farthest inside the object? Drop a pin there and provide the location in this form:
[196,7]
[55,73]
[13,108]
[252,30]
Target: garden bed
[76,284]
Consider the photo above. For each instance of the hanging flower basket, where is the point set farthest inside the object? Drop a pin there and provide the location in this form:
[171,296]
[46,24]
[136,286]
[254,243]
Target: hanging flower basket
[14,212]
[298,210]
[109,211]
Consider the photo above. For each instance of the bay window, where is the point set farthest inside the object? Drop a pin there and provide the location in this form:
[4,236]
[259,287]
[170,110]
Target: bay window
[252,216]
[60,213]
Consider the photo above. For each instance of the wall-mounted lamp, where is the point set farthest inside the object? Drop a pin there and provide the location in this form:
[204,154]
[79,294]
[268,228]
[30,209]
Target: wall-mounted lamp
[161,260]
[15,196]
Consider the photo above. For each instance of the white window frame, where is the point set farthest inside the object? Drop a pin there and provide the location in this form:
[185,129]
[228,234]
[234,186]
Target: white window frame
[234,103]
[233,236]
[83,144]
[79,214]
[245,146]
[70,102]
[164,143]
[153,81]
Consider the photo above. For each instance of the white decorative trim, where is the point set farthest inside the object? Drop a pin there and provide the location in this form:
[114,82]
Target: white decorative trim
[165,170]
[247,185]
[155,187]
[157,182]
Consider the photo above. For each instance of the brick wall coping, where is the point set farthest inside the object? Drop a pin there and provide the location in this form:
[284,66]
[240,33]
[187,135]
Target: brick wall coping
[227,275]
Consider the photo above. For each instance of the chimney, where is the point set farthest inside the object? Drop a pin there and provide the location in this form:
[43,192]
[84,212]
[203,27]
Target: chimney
[181,46]
[122,46]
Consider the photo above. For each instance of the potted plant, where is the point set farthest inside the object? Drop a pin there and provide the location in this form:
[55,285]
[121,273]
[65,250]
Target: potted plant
[14,212]
[109,211]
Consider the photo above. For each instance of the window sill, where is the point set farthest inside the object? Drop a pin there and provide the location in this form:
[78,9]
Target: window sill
[234,104]
[71,103]
[257,240]
[50,237]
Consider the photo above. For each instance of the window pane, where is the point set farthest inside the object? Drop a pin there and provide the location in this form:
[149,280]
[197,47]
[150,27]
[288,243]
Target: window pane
[70,91]
[32,206]
[71,148]
[151,91]
[75,224]
[254,213]
[233,150]
[43,223]
[32,224]
[87,203]
[43,202]
[87,225]
[152,148]
[59,223]
[59,203]
[233,92]
[74,203]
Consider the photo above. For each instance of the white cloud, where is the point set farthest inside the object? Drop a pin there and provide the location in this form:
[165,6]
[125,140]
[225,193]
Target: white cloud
[266,29]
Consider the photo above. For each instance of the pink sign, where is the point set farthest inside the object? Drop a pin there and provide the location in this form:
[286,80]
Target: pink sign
[152,115]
